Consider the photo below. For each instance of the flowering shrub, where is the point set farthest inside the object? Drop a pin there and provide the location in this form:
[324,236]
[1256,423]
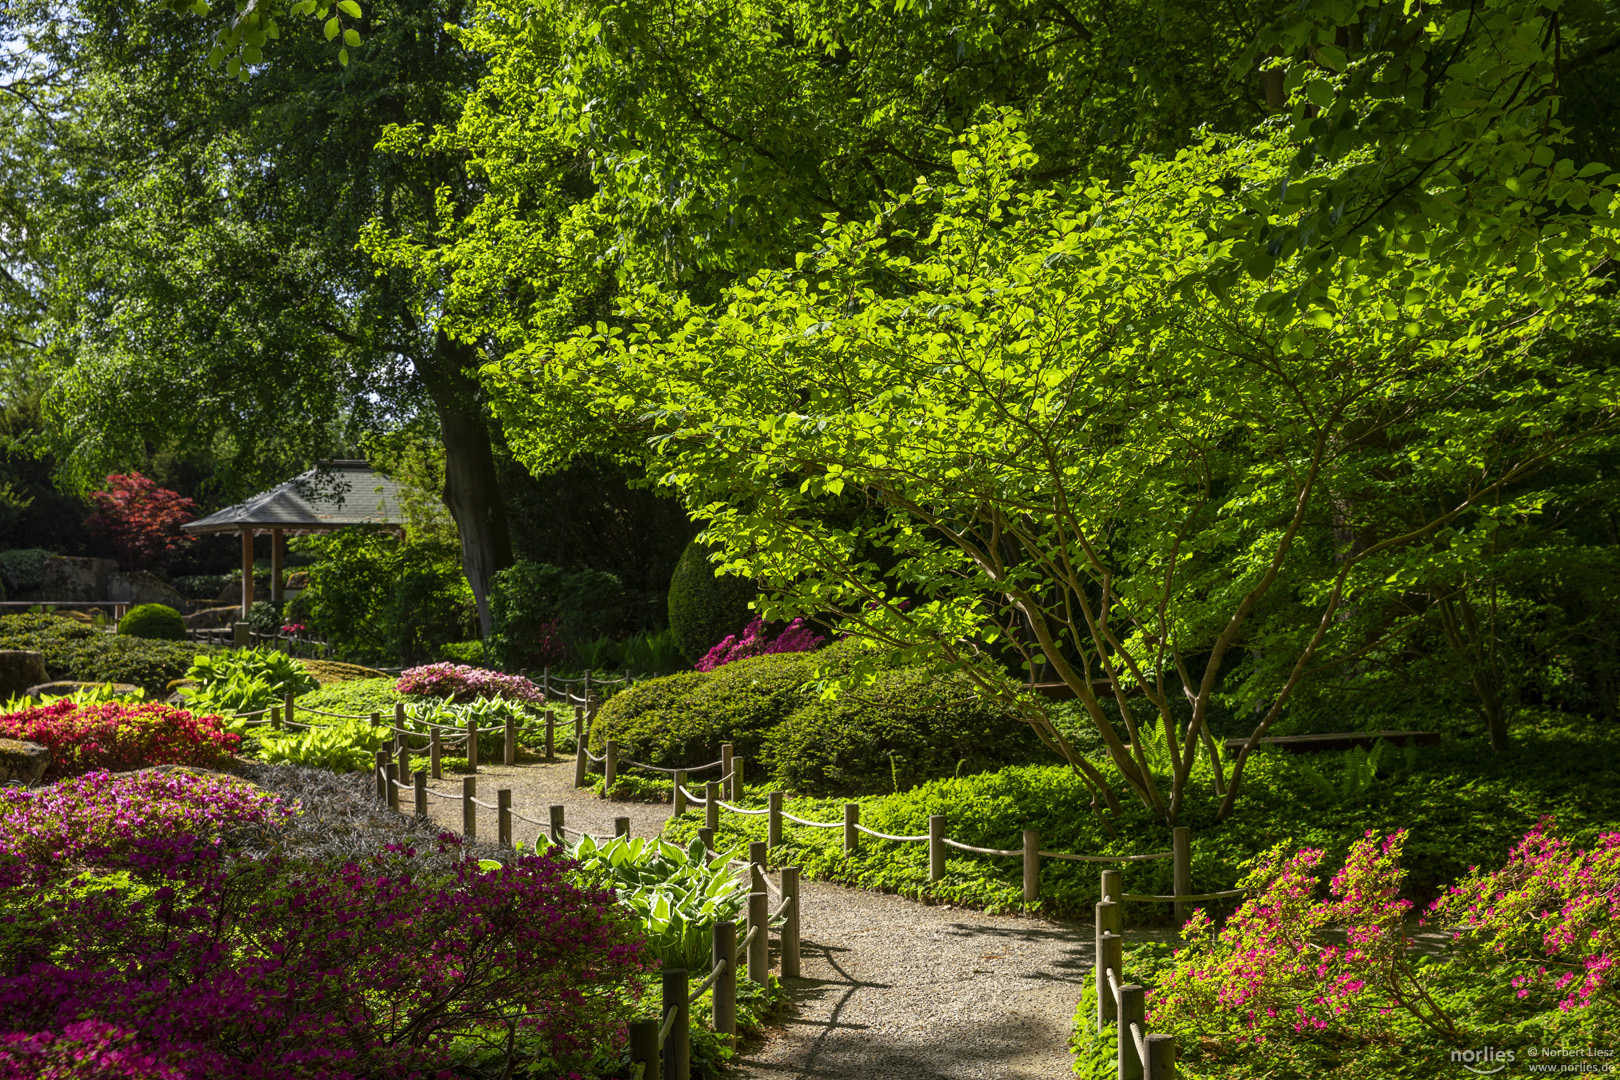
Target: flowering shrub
[464,683]
[1268,973]
[756,641]
[141,519]
[1552,907]
[99,815]
[117,736]
[258,969]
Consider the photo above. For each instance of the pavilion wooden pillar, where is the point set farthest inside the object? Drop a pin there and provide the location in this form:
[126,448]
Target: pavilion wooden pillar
[247,569]
[277,586]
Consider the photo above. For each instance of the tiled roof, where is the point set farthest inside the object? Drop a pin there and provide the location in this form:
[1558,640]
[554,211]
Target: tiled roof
[329,496]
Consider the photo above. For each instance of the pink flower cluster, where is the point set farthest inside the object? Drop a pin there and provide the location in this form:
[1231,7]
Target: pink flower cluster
[1272,968]
[466,683]
[98,815]
[1553,907]
[756,641]
[199,965]
[118,737]
[293,628]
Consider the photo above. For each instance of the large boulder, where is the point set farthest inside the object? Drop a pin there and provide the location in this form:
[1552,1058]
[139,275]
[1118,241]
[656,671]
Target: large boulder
[139,587]
[64,578]
[66,687]
[214,617]
[24,762]
[20,669]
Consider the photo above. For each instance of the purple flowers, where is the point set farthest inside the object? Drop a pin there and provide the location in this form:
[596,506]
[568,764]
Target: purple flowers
[465,683]
[755,641]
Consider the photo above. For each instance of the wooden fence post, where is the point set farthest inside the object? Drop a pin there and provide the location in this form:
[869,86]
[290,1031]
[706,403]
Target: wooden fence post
[852,818]
[556,813]
[1181,870]
[621,826]
[579,724]
[288,701]
[724,1002]
[790,923]
[472,745]
[392,772]
[725,767]
[376,719]
[1032,865]
[1111,887]
[419,783]
[382,776]
[435,751]
[736,778]
[1110,954]
[581,764]
[706,835]
[503,816]
[404,760]
[677,794]
[773,819]
[610,768]
[677,1049]
[399,719]
[1130,1012]
[239,635]
[936,846]
[759,950]
[711,806]
[510,757]
[757,853]
[469,812]
[1161,1062]
[551,734]
[644,1047]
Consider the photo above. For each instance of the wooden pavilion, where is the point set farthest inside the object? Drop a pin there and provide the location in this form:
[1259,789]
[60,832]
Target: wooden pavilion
[333,495]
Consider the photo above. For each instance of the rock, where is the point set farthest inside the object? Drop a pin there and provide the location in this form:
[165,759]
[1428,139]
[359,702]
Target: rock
[213,618]
[24,762]
[138,587]
[20,669]
[298,579]
[63,688]
[64,578]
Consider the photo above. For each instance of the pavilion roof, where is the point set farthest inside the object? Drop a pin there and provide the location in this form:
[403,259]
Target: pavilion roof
[333,495]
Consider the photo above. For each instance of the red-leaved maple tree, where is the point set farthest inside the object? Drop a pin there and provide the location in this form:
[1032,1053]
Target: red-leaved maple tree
[141,519]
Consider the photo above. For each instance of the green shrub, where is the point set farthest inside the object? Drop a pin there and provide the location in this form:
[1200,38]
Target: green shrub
[23,568]
[528,600]
[244,680]
[358,697]
[79,652]
[155,622]
[342,746]
[463,652]
[704,609]
[202,586]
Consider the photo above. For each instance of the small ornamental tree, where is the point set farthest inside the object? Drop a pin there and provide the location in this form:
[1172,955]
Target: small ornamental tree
[141,519]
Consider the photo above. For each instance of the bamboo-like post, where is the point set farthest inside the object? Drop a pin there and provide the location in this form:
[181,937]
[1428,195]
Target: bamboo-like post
[1181,870]
[737,778]
[1112,889]
[581,764]
[551,734]
[621,826]
[510,757]
[472,745]
[419,784]
[1032,865]
[723,951]
[288,702]
[610,768]
[404,760]
[1131,1001]
[435,752]
[677,796]
[469,812]
[1110,954]
[677,1048]
[382,776]
[1161,1062]
[556,814]
[711,806]
[773,819]
[503,816]
[725,768]
[756,866]
[790,922]
[706,835]
[936,846]
[392,772]
[759,950]
[852,837]
[644,1048]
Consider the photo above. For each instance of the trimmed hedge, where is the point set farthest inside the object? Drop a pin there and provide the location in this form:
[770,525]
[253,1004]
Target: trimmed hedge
[155,622]
[703,609]
[77,651]
[896,733]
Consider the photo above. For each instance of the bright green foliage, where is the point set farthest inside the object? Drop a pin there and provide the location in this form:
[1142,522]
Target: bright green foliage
[463,652]
[677,893]
[245,680]
[340,745]
[95,694]
[704,609]
[356,697]
[158,622]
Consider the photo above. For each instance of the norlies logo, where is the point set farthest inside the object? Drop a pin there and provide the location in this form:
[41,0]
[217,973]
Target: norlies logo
[1484,1062]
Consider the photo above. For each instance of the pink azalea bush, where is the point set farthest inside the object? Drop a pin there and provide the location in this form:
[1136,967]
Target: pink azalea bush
[98,814]
[756,641]
[119,737]
[1273,970]
[1553,909]
[466,683]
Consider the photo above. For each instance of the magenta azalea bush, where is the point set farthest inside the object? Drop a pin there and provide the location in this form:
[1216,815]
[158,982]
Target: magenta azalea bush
[465,683]
[756,641]
[119,737]
[1553,911]
[98,815]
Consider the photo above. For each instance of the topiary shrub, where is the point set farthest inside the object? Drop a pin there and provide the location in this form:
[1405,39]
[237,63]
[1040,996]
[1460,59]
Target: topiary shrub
[155,622]
[704,609]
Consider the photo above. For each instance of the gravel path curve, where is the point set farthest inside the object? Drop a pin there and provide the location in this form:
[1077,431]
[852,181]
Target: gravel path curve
[892,989]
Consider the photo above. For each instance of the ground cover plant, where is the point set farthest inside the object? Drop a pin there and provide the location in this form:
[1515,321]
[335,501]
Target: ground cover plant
[355,697]
[119,736]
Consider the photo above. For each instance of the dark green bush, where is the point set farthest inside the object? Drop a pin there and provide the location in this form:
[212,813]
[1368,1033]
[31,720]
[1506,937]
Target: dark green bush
[529,598]
[23,568]
[156,622]
[79,652]
[704,609]
[264,617]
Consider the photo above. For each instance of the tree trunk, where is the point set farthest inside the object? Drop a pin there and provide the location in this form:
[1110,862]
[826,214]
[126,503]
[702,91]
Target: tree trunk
[471,491]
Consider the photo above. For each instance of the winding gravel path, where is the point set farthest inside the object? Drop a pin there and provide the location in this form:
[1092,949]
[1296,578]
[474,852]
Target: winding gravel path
[892,989]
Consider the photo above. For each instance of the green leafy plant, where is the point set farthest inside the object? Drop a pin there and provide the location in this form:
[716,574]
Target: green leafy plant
[342,745]
[703,608]
[356,697]
[157,622]
[244,680]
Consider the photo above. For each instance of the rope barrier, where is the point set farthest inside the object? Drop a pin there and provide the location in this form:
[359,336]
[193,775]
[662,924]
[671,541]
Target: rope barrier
[260,712]
[886,836]
[737,809]
[660,768]
[753,932]
[777,914]
[1140,1040]
[1193,898]
[593,757]
[977,850]
[707,984]
[1113,982]
[691,798]
[1106,858]
[485,805]
[813,824]
[669,1024]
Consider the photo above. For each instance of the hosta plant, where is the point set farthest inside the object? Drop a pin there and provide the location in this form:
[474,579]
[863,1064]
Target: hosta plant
[245,680]
[342,745]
